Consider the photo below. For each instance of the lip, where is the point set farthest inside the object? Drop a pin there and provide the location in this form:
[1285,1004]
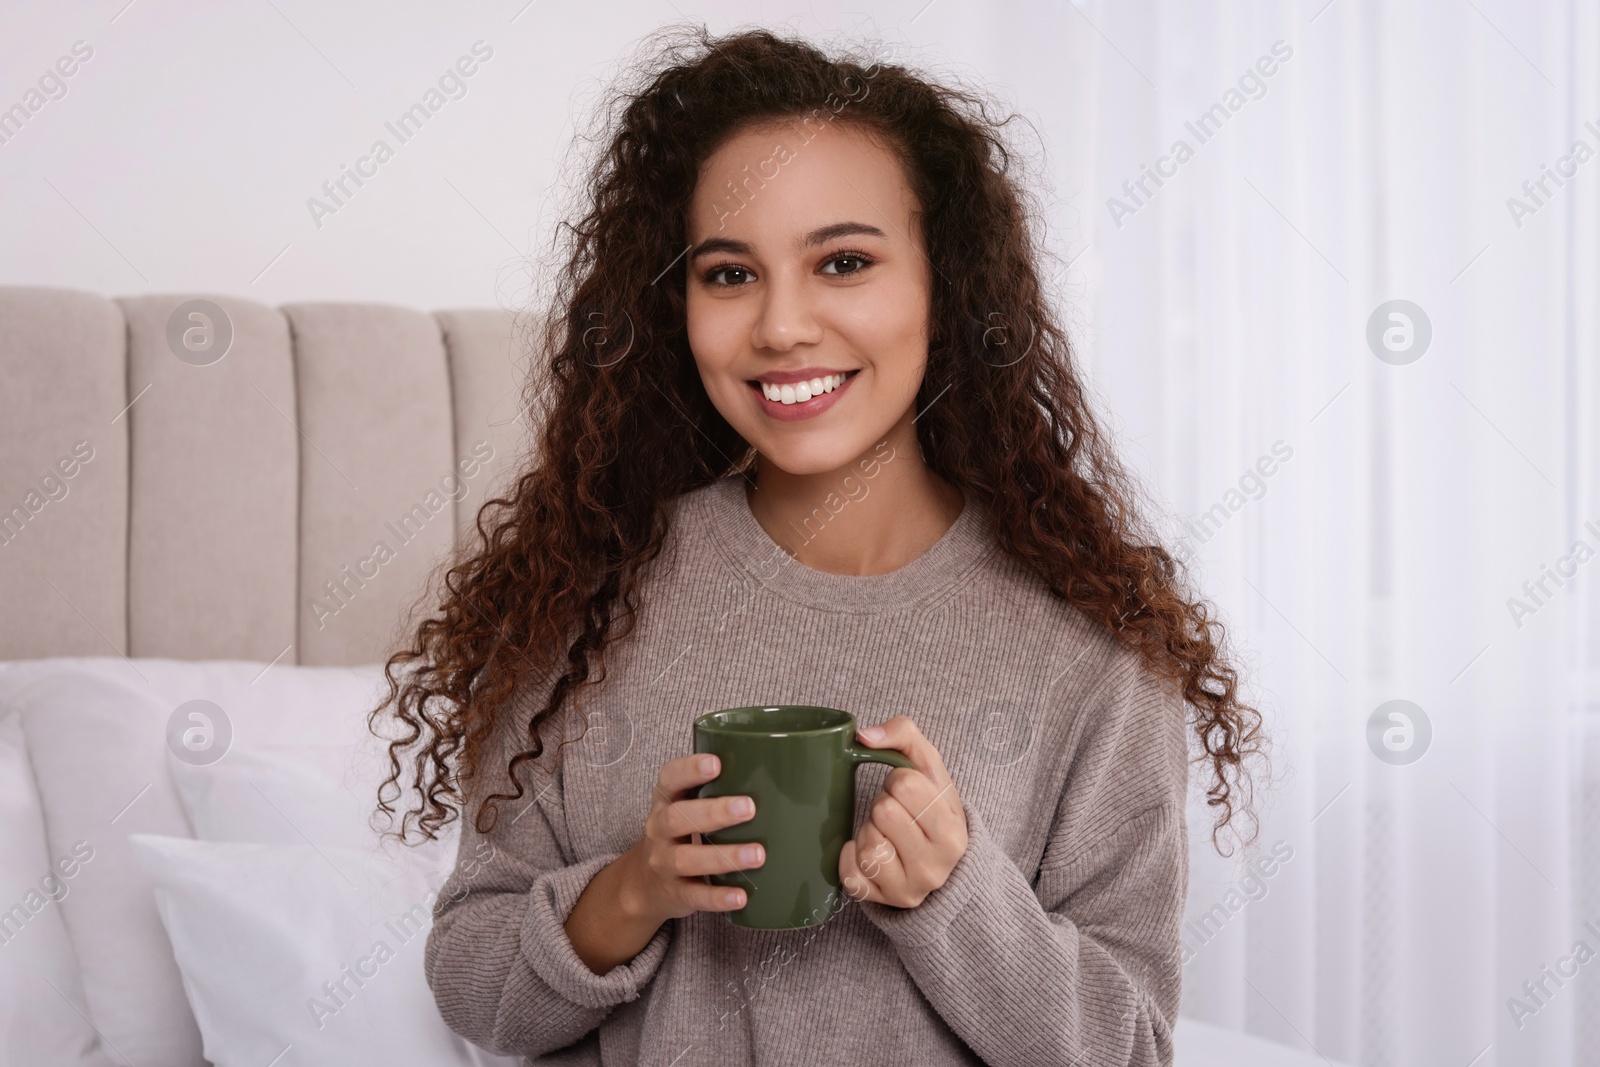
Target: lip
[806,409]
[804,374]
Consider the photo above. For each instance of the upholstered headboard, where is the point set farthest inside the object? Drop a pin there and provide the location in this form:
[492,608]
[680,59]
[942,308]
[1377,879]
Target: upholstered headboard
[283,502]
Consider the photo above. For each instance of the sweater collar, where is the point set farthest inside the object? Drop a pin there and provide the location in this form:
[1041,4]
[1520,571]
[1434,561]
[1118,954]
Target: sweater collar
[748,546]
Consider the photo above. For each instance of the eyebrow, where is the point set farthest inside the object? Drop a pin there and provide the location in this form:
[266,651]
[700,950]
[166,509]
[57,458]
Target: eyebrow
[820,236]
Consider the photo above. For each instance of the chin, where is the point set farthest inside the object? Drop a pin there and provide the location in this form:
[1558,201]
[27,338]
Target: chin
[801,462]
[814,457]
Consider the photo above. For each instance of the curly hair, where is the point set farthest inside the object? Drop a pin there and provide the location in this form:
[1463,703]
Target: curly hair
[553,575]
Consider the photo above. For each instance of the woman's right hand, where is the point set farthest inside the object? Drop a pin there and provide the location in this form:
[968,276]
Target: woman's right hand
[660,877]
[670,862]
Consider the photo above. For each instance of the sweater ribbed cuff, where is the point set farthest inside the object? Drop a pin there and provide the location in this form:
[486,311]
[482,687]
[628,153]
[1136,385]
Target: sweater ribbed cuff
[549,950]
[974,874]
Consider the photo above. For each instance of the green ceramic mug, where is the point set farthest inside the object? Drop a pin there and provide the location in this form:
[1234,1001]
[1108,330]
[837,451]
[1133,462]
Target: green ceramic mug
[798,763]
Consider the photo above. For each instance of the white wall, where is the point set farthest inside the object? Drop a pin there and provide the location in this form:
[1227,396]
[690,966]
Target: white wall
[185,149]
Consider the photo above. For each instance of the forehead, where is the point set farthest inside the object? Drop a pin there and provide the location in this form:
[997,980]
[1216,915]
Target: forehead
[777,180]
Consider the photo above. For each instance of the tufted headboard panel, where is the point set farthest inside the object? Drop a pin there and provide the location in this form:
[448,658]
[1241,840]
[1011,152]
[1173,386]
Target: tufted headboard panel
[285,501]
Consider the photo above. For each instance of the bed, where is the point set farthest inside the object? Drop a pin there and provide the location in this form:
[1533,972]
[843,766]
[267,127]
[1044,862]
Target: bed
[214,517]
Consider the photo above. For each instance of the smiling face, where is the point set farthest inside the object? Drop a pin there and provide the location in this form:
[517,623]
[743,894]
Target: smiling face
[808,292]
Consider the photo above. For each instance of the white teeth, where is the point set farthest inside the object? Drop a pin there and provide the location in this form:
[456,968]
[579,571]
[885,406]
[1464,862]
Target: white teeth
[800,392]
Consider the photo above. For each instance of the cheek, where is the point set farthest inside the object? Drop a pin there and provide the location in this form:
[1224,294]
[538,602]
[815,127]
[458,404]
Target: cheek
[893,328]
[713,331]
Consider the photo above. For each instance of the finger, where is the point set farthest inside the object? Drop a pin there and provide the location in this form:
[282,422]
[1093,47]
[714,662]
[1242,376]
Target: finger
[882,864]
[932,806]
[868,841]
[879,860]
[928,849]
[914,853]
[695,861]
[895,823]
[914,789]
[855,884]
[702,816]
[702,896]
[902,734]
[679,776]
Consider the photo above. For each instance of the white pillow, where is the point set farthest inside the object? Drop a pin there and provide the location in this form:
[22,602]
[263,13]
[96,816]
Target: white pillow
[96,733]
[323,955]
[298,767]
[291,779]
[96,749]
[279,796]
[40,993]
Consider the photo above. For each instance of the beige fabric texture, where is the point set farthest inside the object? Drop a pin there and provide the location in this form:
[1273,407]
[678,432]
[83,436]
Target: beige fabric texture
[63,509]
[219,502]
[1055,939]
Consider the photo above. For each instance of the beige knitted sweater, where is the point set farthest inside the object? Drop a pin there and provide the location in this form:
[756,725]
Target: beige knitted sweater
[1055,939]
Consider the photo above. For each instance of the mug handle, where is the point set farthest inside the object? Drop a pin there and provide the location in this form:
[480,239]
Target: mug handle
[858,754]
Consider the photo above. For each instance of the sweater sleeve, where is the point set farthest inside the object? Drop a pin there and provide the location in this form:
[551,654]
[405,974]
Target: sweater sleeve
[503,971]
[1080,966]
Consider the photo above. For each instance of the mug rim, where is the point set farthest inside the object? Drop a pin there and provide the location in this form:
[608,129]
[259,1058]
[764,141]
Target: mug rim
[707,722]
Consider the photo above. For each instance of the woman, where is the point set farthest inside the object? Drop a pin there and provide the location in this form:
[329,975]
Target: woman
[812,435]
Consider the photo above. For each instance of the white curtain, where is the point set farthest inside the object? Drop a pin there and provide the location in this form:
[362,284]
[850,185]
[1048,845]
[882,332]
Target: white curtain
[1364,523]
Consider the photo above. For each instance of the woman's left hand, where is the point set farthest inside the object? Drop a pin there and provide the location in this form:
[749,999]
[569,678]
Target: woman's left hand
[917,830]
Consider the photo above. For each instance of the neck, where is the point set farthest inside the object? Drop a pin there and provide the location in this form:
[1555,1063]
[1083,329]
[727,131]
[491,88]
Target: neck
[875,514]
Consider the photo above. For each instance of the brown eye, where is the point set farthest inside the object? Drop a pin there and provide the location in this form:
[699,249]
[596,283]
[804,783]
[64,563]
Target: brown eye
[718,276]
[849,263]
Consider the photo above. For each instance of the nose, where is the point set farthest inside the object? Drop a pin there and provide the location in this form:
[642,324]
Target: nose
[787,317]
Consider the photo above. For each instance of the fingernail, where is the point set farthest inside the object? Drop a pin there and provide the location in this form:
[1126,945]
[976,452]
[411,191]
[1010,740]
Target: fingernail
[708,764]
[743,806]
[750,854]
[873,734]
[735,898]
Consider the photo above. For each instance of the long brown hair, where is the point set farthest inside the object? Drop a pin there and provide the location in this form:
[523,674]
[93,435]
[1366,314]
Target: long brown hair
[553,576]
